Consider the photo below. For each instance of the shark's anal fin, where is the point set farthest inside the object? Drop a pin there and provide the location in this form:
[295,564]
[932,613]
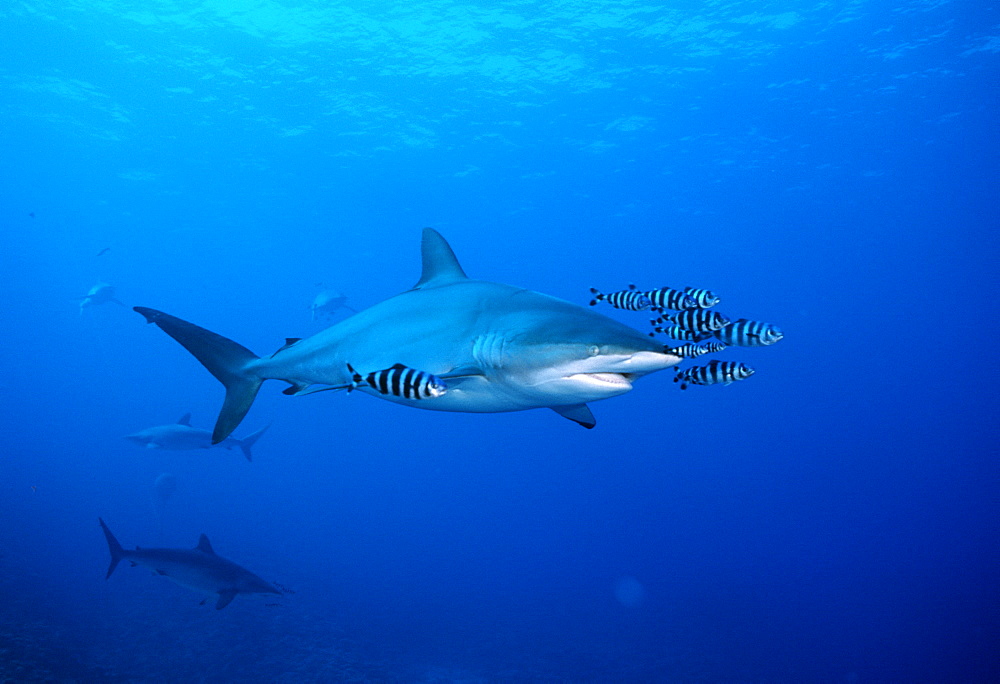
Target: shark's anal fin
[225,598]
[185,419]
[205,546]
[440,265]
[578,413]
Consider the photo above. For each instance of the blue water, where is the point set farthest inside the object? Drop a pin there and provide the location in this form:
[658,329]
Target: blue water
[830,168]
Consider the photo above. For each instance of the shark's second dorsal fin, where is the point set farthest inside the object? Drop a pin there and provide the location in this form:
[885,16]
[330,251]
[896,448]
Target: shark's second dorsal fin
[184,420]
[440,265]
[204,545]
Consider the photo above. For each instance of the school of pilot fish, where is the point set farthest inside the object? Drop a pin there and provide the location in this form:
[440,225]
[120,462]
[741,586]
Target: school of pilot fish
[694,320]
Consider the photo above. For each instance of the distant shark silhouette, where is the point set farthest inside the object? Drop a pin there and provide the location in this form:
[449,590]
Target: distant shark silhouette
[499,348]
[180,436]
[200,569]
[329,302]
[102,293]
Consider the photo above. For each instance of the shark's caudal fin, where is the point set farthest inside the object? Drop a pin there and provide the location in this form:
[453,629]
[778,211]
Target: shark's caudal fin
[249,440]
[117,552]
[440,265]
[223,358]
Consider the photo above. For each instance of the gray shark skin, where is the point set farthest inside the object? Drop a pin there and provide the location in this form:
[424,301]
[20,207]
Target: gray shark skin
[102,293]
[498,347]
[182,437]
[200,569]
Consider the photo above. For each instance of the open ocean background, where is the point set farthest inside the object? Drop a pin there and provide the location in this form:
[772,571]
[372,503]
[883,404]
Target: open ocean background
[831,168]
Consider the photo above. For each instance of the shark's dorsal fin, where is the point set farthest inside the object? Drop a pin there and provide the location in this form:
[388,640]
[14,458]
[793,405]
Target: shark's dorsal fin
[204,545]
[289,341]
[185,420]
[440,265]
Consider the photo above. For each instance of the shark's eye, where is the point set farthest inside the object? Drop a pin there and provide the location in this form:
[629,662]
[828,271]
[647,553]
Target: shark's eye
[594,350]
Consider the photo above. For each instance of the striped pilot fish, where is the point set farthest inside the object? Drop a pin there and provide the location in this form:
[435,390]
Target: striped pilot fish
[691,351]
[747,333]
[676,332]
[697,320]
[669,299]
[715,373]
[630,299]
[703,298]
[400,381]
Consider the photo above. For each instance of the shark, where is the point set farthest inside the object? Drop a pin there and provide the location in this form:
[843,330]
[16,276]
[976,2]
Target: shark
[200,569]
[499,348]
[101,293]
[180,436]
[328,303]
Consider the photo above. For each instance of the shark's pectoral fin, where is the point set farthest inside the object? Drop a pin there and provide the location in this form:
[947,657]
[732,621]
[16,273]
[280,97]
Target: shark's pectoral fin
[578,413]
[161,573]
[225,598]
[203,601]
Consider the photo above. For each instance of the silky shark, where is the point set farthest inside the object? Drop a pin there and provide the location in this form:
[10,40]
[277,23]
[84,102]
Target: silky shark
[200,569]
[499,348]
[180,436]
[329,302]
[101,293]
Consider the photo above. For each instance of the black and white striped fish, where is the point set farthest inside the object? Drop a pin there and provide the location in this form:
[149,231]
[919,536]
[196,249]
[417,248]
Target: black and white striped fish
[669,299]
[678,333]
[400,381]
[691,351]
[703,298]
[747,333]
[697,320]
[715,373]
[630,299]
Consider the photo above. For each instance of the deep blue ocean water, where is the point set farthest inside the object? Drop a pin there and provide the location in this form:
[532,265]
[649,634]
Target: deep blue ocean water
[831,168]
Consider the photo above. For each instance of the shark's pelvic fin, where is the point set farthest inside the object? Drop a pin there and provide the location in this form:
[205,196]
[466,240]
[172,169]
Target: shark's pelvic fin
[185,420]
[440,265]
[117,552]
[225,598]
[205,546]
[225,359]
[578,413]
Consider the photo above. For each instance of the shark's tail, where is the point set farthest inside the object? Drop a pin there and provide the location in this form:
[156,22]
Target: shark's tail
[249,440]
[223,358]
[117,552]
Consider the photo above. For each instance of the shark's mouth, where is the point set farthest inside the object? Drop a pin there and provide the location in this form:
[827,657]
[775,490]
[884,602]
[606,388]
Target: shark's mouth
[622,380]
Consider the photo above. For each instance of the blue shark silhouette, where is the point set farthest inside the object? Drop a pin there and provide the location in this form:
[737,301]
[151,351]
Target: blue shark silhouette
[498,347]
[200,569]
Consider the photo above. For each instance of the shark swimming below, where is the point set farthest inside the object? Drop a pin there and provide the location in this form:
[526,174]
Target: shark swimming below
[102,293]
[182,437]
[497,347]
[200,569]
[328,303]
